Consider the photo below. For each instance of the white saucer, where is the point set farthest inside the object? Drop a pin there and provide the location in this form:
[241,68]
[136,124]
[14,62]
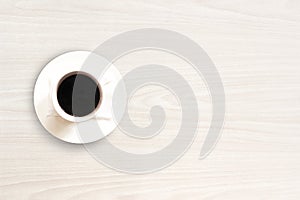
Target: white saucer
[48,79]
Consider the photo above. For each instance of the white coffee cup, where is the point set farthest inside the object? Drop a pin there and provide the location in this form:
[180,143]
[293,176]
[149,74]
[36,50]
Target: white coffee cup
[58,108]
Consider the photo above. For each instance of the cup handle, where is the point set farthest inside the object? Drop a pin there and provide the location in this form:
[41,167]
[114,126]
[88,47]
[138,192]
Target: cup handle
[51,111]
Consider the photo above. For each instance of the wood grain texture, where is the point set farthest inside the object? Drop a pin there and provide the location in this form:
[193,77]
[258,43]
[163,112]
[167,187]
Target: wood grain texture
[255,46]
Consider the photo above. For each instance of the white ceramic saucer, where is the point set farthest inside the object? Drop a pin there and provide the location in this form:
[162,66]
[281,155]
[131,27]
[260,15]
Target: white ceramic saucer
[54,120]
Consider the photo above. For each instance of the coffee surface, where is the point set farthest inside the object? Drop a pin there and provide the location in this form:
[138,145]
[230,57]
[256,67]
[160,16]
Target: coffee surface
[78,95]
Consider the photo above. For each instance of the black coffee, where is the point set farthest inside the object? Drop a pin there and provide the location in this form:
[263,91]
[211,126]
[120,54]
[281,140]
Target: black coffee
[78,95]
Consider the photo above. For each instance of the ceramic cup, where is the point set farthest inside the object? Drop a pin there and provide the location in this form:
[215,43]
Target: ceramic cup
[57,95]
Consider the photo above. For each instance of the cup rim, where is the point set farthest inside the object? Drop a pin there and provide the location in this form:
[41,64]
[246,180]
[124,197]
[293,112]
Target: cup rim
[67,116]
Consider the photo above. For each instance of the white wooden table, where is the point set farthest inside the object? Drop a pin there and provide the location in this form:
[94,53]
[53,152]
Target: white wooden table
[255,46]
